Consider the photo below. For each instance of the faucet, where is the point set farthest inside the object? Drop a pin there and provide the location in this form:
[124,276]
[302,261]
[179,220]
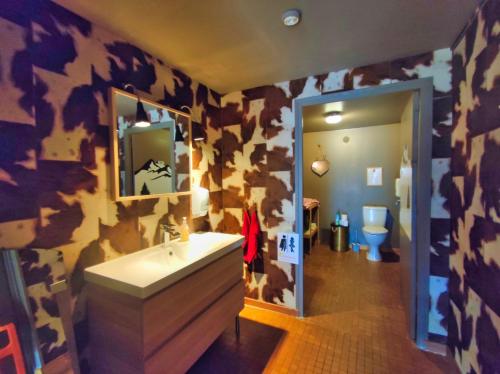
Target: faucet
[169,233]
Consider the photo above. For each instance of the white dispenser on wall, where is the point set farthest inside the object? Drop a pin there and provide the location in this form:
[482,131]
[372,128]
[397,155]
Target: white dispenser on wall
[199,202]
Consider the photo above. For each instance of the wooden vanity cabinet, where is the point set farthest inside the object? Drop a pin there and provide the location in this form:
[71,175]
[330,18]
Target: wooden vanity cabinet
[169,331]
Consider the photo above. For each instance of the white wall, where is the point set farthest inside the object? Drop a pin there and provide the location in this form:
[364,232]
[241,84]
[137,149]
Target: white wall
[344,186]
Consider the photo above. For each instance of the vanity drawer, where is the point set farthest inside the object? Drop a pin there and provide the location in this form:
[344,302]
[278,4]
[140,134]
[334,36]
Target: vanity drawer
[182,351]
[166,313]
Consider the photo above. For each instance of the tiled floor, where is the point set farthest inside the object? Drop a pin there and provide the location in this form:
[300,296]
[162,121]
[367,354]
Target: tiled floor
[355,324]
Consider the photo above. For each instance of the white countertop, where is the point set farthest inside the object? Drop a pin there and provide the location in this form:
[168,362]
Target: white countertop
[146,272]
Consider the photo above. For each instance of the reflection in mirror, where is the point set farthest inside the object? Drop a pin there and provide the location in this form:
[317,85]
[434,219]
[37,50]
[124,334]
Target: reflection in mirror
[152,157]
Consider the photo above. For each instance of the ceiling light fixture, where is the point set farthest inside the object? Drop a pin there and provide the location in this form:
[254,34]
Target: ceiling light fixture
[141,117]
[291,17]
[333,118]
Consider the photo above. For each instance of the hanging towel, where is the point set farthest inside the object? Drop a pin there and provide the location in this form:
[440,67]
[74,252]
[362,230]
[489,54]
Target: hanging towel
[253,239]
[310,203]
[245,230]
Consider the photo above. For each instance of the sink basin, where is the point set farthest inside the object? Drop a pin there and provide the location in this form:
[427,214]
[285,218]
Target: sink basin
[143,273]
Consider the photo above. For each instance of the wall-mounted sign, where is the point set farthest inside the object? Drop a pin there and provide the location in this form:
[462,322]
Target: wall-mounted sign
[288,247]
[374,176]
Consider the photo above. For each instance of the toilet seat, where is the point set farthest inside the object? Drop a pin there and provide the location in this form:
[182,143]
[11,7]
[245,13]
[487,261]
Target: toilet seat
[375,230]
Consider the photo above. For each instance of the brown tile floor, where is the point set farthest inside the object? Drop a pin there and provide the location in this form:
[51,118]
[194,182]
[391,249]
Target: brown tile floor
[355,324]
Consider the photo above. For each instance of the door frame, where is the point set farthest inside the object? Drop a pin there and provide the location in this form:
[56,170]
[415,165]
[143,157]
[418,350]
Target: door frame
[422,145]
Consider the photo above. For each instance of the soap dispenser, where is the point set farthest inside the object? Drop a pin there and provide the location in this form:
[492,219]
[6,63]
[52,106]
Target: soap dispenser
[184,230]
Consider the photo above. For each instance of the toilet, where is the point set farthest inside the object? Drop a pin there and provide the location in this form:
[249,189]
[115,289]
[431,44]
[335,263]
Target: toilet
[373,228]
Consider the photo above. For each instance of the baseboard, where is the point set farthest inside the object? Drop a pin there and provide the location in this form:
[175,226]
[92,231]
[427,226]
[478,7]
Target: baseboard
[436,348]
[270,306]
[59,365]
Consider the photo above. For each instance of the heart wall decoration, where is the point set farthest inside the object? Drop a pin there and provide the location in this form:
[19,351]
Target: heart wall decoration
[321,165]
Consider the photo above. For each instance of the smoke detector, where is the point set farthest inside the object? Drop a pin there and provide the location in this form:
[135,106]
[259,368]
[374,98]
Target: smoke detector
[291,17]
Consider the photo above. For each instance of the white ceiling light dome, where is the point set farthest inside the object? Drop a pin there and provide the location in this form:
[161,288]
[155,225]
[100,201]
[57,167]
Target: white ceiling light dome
[291,17]
[332,118]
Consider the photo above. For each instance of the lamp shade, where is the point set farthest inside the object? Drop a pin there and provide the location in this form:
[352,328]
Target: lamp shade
[141,117]
[197,132]
[178,134]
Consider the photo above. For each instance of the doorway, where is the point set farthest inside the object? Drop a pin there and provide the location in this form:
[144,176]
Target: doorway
[415,241]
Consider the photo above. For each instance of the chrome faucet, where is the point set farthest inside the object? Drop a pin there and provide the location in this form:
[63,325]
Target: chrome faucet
[169,233]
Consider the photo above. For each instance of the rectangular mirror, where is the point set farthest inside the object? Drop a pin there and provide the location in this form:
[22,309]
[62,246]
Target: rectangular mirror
[150,152]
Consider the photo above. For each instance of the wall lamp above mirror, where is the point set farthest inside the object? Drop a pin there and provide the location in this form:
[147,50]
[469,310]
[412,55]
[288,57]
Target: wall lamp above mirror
[196,130]
[141,117]
[150,147]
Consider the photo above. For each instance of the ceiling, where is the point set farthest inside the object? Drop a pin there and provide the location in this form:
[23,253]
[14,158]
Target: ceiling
[368,111]
[236,44]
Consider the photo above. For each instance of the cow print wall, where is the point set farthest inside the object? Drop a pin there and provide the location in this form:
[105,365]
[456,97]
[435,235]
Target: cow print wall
[258,168]
[55,72]
[474,322]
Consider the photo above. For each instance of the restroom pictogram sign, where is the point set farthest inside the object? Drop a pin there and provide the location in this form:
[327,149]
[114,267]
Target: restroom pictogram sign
[288,249]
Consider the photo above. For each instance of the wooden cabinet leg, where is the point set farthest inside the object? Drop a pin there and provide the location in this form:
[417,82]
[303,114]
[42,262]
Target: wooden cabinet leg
[237,327]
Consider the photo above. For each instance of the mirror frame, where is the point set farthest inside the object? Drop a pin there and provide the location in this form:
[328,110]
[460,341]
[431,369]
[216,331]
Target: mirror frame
[113,138]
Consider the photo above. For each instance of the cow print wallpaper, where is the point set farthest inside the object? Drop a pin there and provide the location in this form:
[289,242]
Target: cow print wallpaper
[474,323]
[258,168]
[55,72]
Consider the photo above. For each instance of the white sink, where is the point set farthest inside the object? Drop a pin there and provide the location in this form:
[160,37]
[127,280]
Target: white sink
[143,273]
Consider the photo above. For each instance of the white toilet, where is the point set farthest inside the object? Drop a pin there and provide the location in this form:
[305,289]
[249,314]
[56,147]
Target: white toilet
[373,228]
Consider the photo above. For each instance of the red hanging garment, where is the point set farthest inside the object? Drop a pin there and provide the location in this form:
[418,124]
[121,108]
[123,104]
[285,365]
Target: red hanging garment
[253,239]
[245,230]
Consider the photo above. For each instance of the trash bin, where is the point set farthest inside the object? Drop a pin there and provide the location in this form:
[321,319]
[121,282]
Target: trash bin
[339,238]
